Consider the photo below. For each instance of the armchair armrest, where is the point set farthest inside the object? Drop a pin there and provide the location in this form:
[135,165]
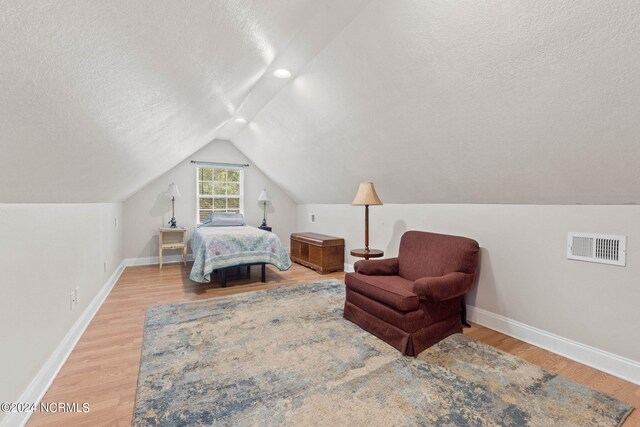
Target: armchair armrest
[445,287]
[377,267]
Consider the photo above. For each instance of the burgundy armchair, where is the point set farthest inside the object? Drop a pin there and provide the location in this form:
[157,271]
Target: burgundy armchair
[413,301]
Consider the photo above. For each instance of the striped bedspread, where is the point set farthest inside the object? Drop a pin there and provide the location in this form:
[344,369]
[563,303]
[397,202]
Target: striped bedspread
[220,247]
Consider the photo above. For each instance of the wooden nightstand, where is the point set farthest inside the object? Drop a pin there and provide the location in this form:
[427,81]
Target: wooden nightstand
[173,238]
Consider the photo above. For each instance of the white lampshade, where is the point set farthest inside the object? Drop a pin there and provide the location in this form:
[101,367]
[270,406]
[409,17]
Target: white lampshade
[173,190]
[264,196]
[366,195]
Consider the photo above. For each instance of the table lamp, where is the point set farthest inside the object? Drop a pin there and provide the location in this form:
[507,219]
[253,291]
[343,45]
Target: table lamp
[173,193]
[264,198]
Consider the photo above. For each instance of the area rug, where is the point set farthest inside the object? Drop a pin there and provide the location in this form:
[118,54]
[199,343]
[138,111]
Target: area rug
[286,356]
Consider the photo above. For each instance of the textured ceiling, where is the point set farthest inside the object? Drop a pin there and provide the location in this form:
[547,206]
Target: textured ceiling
[434,101]
[463,102]
[99,98]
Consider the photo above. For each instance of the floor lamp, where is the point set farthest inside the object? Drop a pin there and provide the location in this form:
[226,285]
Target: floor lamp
[366,196]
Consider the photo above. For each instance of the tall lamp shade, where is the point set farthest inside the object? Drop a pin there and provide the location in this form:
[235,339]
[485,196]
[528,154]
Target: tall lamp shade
[264,198]
[173,193]
[173,190]
[366,196]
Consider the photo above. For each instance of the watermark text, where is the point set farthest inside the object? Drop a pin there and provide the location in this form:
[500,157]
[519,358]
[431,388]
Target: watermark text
[47,407]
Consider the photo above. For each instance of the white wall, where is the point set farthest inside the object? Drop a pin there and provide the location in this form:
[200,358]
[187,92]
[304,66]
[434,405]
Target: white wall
[524,273]
[149,208]
[46,251]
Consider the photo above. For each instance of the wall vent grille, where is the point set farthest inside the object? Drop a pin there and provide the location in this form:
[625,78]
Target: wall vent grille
[604,249]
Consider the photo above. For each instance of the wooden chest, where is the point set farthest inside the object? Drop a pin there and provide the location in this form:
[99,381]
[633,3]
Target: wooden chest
[322,253]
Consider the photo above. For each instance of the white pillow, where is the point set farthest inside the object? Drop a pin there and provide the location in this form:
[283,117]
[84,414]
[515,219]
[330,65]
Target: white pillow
[223,219]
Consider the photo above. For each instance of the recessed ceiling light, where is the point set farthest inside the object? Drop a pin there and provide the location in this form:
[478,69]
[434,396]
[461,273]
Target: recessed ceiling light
[240,120]
[281,73]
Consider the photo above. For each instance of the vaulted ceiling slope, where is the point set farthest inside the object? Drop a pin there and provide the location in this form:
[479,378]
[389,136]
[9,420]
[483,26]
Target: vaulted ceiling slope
[98,98]
[435,101]
[463,102]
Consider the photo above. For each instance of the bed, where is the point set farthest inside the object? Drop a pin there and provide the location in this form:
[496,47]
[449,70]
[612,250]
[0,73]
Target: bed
[220,247]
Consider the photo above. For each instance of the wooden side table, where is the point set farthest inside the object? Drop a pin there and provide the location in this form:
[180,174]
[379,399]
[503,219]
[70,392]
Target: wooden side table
[173,238]
[367,253]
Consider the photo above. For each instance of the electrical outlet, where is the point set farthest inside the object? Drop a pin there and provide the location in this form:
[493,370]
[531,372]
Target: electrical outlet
[105,266]
[77,292]
[115,222]
[312,218]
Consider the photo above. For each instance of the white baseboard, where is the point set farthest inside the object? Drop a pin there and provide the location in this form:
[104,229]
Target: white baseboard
[153,260]
[36,390]
[610,363]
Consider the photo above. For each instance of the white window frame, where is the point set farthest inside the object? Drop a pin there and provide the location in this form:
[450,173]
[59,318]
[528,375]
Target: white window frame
[239,169]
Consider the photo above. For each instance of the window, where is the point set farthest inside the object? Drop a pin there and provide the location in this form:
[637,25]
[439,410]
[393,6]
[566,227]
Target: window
[219,190]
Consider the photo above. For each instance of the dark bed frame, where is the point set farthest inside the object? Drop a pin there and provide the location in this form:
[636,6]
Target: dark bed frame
[223,272]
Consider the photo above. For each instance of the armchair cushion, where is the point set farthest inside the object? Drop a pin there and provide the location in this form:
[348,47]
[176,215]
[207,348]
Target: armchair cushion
[377,267]
[423,254]
[445,287]
[393,291]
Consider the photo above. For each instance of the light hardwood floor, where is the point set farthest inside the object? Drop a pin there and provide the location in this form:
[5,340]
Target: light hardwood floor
[103,368]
